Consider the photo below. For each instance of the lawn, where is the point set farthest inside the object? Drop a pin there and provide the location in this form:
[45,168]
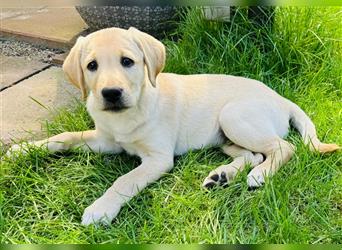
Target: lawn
[43,195]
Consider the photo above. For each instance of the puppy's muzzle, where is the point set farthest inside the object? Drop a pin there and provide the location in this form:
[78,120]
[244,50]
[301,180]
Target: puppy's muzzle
[113,99]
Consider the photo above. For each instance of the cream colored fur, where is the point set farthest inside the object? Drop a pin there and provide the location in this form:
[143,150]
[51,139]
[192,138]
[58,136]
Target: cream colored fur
[170,114]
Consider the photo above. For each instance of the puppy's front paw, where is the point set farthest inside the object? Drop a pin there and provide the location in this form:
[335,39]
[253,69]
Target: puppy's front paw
[17,148]
[102,211]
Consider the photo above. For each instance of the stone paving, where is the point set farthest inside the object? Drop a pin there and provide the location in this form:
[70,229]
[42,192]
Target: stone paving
[13,69]
[27,104]
[32,89]
[53,27]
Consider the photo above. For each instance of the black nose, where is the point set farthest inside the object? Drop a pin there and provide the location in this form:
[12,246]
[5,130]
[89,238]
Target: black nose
[112,94]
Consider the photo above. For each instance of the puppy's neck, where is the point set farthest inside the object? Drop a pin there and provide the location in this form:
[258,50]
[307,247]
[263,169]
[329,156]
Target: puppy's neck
[148,98]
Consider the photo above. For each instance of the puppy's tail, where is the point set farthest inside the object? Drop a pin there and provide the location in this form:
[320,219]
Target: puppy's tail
[308,131]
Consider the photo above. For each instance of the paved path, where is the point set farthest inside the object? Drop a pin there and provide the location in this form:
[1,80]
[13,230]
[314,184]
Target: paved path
[22,115]
[14,69]
[27,81]
[53,27]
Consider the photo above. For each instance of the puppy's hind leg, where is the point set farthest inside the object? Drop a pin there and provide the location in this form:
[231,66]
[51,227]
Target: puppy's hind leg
[278,153]
[224,174]
[246,126]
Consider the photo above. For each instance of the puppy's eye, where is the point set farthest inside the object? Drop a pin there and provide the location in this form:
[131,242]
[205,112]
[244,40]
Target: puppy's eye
[127,62]
[92,66]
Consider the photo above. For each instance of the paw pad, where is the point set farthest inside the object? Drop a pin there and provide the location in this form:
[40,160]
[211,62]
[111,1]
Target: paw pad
[223,178]
[252,188]
[215,180]
[210,185]
[214,177]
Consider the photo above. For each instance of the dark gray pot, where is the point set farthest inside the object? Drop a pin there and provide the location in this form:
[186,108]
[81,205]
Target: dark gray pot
[155,20]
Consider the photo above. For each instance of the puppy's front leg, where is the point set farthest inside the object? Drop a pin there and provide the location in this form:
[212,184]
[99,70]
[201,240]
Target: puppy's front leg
[88,140]
[105,209]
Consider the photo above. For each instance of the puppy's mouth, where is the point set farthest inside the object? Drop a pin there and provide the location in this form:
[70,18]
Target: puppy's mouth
[115,107]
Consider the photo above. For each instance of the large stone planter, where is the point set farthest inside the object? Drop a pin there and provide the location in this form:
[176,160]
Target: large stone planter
[155,20]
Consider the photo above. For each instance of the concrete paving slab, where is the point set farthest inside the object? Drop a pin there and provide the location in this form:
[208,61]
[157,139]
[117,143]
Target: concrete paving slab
[13,69]
[20,114]
[56,27]
[59,58]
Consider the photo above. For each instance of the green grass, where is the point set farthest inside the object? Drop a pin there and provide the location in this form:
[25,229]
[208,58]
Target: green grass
[43,196]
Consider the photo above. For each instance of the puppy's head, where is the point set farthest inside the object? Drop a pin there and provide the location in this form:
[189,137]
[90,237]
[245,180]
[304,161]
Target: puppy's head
[115,65]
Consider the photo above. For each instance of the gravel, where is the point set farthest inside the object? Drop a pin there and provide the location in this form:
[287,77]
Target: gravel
[27,50]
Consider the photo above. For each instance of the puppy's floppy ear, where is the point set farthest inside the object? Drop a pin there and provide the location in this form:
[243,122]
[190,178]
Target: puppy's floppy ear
[72,67]
[153,50]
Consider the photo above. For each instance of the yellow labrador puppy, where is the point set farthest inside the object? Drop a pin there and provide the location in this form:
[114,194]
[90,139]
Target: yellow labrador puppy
[157,115]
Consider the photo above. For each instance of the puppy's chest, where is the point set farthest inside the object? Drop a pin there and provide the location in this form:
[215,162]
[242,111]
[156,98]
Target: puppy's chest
[131,138]
[133,146]
[134,149]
